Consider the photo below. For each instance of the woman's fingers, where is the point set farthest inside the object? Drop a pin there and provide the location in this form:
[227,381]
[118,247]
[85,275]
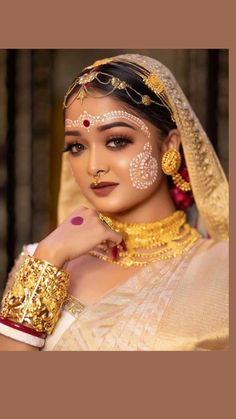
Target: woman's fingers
[82,231]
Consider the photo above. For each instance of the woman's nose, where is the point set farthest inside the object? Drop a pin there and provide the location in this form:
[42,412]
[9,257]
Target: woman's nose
[97,161]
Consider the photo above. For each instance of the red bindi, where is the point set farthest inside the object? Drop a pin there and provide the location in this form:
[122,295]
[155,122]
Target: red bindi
[86,123]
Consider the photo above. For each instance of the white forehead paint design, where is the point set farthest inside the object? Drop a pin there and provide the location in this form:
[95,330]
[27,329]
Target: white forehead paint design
[143,168]
[86,120]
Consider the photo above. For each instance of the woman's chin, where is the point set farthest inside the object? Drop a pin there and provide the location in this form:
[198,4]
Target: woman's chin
[111,205]
[110,208]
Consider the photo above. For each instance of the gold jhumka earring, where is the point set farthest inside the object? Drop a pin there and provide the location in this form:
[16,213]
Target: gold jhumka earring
[171,161]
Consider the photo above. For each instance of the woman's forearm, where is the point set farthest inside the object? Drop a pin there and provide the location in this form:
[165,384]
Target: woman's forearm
[8,344]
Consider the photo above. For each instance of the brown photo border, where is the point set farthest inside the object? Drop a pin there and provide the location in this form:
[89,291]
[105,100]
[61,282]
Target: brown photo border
[111,384]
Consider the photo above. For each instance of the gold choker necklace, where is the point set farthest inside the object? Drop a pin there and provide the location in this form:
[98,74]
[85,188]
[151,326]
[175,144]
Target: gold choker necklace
[149,242]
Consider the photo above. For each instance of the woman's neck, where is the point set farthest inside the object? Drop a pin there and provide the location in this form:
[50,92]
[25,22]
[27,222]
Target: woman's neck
[157,207]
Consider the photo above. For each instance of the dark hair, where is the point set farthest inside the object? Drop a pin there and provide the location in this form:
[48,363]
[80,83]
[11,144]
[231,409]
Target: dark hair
[159,116]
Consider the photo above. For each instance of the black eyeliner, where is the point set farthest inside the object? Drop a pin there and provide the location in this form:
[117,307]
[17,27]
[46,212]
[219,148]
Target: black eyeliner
[68,147]
[125,139]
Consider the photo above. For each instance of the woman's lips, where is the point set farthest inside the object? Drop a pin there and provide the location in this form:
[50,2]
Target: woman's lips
[104,190]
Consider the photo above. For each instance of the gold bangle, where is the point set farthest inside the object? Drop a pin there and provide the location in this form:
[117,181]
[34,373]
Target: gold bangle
[37,295]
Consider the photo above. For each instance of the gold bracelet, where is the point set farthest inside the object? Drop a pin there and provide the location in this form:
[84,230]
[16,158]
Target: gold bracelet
[37,295]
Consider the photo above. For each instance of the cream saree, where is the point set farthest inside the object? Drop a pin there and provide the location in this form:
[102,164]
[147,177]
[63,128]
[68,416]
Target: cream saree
[175,305]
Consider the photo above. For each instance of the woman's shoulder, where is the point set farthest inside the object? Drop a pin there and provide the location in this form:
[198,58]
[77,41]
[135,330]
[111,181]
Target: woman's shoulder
[208,263]
[206,248]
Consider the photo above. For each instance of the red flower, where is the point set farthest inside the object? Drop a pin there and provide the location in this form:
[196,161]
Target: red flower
[182,199]
[184,173]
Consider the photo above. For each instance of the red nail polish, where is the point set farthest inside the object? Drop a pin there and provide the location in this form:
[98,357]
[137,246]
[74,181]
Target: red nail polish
[114,253]
[122,243]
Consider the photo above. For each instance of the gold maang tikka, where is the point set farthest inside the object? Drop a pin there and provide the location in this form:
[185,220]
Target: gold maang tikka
[150,80]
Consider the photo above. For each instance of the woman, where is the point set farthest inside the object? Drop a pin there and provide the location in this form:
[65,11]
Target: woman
[128,273]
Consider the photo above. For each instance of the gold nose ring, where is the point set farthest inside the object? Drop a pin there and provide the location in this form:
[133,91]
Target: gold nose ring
[96,178]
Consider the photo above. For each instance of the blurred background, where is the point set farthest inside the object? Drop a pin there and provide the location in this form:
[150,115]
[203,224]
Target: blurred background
[32,86]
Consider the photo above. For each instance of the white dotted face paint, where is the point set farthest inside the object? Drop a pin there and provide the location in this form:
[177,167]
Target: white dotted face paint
[86,120]
[143,168]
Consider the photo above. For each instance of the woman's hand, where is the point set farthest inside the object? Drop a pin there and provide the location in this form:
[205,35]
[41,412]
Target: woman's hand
[80,232]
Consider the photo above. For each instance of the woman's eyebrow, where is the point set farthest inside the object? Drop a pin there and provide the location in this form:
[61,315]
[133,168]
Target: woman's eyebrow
[76,133]
[115,124]
[73,133]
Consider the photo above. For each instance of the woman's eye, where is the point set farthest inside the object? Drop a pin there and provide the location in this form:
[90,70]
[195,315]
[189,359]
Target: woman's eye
[73,148]
[118,142]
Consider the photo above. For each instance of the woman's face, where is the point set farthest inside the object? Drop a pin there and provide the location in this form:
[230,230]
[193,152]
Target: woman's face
[104,135]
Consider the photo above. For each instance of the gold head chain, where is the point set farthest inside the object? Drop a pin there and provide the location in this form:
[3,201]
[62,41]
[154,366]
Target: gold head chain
[151,80]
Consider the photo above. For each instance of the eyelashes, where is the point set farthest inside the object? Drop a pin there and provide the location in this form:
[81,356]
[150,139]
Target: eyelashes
[73,148]
[119,141]
[115,143]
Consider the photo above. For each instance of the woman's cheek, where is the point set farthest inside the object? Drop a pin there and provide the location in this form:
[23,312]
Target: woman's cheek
[143,168]
[77,173]
[122,163]
[72,171]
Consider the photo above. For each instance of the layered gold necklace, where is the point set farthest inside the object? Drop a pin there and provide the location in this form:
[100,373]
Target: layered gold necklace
[149,242]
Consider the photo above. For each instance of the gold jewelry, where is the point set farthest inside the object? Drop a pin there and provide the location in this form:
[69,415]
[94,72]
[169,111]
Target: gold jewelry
[114,82]
[106,220]
[37,295]
[150,80]
[150,242]
[96,177]
[171,161]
